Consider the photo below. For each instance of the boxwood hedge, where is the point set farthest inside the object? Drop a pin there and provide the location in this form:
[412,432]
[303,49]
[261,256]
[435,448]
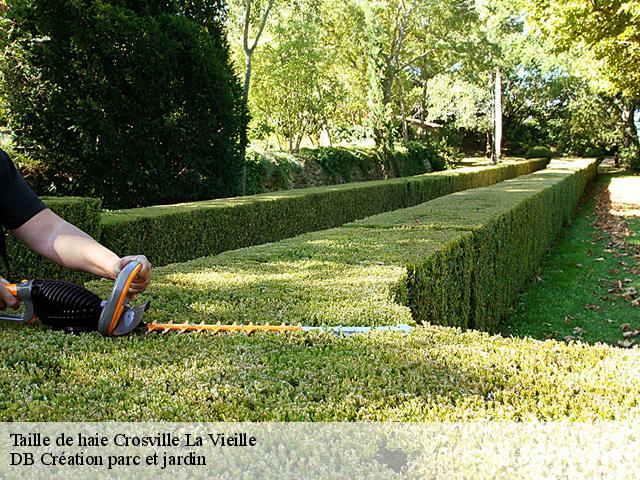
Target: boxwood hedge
[363,273]
[175,233]
[458,260]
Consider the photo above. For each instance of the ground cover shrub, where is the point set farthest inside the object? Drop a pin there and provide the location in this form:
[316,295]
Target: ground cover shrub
[539,151]
[175,233]
[433,374]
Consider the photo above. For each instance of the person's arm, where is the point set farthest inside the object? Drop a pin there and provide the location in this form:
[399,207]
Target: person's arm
[63,243]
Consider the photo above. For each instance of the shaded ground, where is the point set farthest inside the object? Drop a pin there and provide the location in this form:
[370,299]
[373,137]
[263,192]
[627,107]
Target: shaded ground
[587,287]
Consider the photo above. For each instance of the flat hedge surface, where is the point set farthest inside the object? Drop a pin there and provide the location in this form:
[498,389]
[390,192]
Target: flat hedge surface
[435,373]
[177,233]
[360,274]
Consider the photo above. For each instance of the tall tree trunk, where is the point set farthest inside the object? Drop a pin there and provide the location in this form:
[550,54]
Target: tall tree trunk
[497,119]
[248,52]
[630,130]
[403,113]
[423,109]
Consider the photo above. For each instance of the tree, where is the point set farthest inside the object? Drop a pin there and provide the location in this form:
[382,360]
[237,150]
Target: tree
[607,37]
[294,88]
[131,101]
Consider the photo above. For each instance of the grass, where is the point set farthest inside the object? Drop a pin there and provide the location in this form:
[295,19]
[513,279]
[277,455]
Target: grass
[571,294]
[357,274]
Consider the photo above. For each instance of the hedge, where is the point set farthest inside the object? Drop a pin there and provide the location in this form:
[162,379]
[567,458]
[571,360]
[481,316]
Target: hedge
[509,225]
[82,212]
[312,167]
[176,233]
[362,273]
[458,260]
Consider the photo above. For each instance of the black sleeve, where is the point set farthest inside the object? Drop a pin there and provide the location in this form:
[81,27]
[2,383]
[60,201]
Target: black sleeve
[18,203]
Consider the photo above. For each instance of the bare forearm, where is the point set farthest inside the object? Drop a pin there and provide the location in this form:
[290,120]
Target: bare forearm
[68,246]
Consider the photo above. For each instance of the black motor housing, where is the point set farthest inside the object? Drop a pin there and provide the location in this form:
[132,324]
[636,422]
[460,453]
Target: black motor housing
[65,305]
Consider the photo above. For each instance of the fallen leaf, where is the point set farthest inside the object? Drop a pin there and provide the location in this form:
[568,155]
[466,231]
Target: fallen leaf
[625,327]
[626,343]
[592,306]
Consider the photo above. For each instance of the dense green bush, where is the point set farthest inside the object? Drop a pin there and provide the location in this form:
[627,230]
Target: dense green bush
[594,152]
[630,156]
[338,162]
[267,172]
[174,233]
[134,102]
[539,151]
[82,212]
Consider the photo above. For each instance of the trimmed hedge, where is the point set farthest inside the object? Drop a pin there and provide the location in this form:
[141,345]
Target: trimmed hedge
[82,212]
[358,274]
[458,261]
[175,233]
[511,226]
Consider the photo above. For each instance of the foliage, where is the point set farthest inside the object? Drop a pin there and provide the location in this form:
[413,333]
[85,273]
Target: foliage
[339,163]
[359,275]
[294,88]
[603,37]
[82,212]
[472,282]
[604,33]
[434,374]
[539,151]
[207,228]
[267,173]
[133,102]
[630,156]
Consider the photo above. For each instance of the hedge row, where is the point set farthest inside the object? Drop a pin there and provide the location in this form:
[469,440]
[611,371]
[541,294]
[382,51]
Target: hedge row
[434,374]
[82,212]
[457,261]
[176,233]
[507,228]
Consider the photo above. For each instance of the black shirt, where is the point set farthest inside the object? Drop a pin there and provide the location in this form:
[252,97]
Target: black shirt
[18,203]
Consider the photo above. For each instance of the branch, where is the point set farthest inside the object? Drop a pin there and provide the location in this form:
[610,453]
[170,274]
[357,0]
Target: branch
[262,24]
[246,28]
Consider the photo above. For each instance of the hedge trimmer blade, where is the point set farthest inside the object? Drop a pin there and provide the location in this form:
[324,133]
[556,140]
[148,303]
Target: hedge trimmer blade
[203,327]
[251,328]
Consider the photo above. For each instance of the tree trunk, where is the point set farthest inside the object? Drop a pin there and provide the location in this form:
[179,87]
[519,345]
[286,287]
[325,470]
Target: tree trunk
[245,140]
[497,119]
[630,130]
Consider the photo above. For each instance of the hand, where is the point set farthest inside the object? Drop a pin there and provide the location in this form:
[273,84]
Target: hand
[6,299]
[143,277]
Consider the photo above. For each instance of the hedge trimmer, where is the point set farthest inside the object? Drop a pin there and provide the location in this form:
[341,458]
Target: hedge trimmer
[67,306]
